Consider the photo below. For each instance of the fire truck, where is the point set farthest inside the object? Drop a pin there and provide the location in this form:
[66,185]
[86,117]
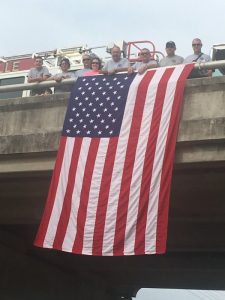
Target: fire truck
[14,69]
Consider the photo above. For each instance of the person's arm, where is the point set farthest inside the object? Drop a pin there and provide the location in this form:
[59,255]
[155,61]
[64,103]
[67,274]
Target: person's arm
[37,79]
[125,67]
[130,70]
[45,77]
[114,71]
[161,63]
[104,72]
[57,78]
[51,78]
[104,69]
[30,79]
[133,68]
[118,70]
[46,74]
[144,68]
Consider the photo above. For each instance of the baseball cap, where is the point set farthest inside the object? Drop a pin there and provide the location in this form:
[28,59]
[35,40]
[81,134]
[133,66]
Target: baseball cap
[170,44]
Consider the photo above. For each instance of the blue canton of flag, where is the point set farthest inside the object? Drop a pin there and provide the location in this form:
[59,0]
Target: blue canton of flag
[97,105]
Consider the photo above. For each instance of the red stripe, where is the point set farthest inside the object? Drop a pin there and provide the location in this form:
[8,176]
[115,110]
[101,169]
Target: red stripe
[122,209]
[65,214]
[51,195]
[103,197]
[84,197]
[165,185]
[148,163]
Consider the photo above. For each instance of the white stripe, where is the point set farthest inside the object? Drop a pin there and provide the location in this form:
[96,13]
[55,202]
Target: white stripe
[139,163]
[151,226]
[72,225]
[60,193]
[94,196]
[111,213]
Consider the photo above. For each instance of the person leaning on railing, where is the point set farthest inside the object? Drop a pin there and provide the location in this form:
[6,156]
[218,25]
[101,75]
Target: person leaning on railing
[200,57]
[146,62]
[96,66]
[86,59]
[171,59]
[38,74]
[64,74]
[116,64]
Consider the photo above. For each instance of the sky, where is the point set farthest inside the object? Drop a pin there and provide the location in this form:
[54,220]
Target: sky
[29,26]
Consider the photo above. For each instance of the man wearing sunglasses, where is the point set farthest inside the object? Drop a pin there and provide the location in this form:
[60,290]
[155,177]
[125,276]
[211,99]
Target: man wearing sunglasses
[86,59]
[147,62]
[198,56]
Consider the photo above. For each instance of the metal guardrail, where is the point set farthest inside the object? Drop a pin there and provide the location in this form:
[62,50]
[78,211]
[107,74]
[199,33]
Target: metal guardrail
[31,86]
[210,65]
[70,81]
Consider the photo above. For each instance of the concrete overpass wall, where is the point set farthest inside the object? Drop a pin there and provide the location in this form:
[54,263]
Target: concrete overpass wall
[30,127]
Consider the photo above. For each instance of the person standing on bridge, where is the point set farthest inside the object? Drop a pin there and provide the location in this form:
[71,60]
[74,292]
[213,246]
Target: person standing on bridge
[64,74]
[117,63]
[147,62]
[171,59]
[38,74]
[198,56]
[96,66]
[86,59]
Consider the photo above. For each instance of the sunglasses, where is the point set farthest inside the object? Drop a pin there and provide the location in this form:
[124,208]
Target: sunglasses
[196,44]
[144,53]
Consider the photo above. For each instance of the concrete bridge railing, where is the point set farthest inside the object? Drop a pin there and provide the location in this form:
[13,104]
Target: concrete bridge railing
[31,127]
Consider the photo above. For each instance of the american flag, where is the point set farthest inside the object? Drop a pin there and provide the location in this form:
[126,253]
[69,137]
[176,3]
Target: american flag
[109,193]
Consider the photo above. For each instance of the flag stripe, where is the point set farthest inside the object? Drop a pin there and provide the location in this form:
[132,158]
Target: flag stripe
[72,225]
[139,164]
[129,163]
[64,217]
[103,197]
[150,235]
[167,166]
[110,221]
[60,193]
[148,163]
[51,194]
[94,196]
[84,196]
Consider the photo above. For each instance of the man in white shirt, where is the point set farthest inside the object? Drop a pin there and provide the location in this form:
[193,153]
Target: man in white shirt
[117,63]
[198,56]
[86,59]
